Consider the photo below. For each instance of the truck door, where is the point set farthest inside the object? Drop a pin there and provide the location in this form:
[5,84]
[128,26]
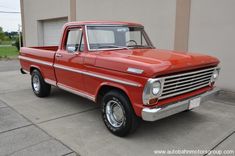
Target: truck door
[69,60]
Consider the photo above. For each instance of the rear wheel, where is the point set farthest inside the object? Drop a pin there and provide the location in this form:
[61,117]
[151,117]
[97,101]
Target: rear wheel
[39,86]
[118,114]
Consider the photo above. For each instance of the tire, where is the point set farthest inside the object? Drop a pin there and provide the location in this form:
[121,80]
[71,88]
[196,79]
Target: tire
[118,114]
[39,86]
[187,110]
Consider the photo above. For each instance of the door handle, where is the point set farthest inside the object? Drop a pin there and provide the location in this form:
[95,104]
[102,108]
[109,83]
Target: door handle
[58,55]
[77,53]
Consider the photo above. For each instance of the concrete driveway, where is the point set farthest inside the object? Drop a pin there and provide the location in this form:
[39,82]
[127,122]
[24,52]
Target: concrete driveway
[66,124]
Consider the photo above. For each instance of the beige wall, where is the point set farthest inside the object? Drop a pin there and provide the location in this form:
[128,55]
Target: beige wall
[205,26]
[35,10]
[158,16]
[212,31]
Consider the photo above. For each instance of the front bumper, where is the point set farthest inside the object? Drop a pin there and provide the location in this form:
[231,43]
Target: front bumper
[153,114]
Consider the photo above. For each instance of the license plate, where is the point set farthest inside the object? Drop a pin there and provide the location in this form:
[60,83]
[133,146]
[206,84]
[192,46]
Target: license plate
[194,103]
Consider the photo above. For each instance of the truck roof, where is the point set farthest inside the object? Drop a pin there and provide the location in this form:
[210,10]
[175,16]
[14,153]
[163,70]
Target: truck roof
[102,23]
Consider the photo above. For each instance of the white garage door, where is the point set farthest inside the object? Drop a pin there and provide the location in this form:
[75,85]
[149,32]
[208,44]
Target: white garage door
[52,31]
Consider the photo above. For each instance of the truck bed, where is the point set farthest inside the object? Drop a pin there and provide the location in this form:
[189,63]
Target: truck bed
[45,53]
[39,57]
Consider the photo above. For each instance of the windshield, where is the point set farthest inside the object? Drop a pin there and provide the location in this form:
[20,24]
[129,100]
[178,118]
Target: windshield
[116,37]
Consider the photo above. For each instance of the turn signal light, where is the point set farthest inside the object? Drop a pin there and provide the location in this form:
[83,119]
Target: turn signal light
[153,101]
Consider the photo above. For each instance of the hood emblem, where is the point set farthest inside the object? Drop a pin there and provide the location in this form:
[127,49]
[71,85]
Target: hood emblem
[135,70]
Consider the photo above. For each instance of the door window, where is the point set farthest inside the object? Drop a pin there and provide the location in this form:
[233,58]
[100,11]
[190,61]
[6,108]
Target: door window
[75,40]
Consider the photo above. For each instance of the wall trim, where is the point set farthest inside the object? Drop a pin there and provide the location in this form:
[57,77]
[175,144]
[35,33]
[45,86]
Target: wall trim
[182,22]
[22,21]
[72,11]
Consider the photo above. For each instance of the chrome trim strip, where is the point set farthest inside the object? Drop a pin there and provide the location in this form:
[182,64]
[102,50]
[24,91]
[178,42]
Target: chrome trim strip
[184,88]
[36,61]
[153,114]
[198,79]
[87,40]
[74,91]
[96,75]
[49,81]
[182,85]
[194,79]
[188,76]
[185,91]
[135,70]
[188,73]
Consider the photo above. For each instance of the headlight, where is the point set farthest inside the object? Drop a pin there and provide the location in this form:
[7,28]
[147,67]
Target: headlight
[152,91]
[215,75]
[156,87]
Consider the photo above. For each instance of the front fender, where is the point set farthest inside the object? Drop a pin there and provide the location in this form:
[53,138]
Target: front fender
[133,93]
[111,84]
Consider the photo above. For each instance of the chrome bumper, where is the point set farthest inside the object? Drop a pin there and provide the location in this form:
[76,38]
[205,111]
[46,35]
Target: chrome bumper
[153,114]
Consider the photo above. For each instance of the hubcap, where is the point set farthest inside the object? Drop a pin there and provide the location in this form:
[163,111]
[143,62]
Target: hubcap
[114,113]
[36,83]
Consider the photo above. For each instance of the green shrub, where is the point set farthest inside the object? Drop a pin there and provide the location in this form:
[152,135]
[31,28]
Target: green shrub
[17,44]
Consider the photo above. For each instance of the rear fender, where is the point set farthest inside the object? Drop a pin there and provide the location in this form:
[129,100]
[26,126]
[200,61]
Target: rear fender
[32,67]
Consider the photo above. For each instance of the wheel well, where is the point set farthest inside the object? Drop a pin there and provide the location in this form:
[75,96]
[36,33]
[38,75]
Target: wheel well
[33,68]
[104,89]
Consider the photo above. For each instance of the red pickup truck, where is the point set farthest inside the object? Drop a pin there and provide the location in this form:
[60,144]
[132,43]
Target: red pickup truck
[116,65]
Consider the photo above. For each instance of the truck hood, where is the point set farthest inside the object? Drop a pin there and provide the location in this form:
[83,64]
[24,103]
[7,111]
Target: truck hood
[153,62]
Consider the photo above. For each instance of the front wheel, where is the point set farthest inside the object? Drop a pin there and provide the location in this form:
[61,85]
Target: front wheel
[39,86]
[118,114]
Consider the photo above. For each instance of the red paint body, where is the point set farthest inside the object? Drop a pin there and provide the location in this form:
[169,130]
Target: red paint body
[112,64]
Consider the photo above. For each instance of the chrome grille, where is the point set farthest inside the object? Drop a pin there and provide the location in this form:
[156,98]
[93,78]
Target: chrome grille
[183,83]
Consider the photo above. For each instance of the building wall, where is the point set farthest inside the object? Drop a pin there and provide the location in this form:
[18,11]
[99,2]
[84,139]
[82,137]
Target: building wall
[35,11]
[212,31]
[205,26]
[158,16]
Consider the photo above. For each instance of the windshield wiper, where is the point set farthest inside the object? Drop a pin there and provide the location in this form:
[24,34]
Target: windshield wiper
[139,46]
[112,46]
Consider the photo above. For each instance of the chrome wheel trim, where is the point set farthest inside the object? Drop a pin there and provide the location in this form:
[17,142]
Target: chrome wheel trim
[36,83]
[114,113]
